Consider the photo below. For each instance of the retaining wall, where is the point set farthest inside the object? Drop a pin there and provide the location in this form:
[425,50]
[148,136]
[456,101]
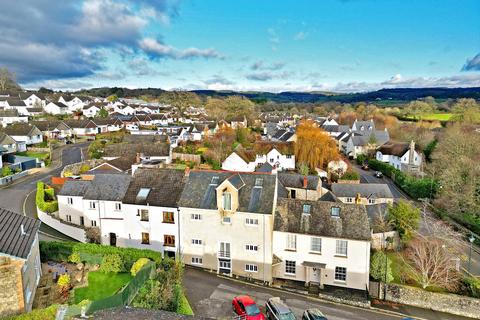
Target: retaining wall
[76,233]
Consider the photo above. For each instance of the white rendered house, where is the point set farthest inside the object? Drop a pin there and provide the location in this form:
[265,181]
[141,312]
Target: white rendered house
[402,156]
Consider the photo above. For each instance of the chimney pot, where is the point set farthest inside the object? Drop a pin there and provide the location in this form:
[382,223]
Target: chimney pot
[305,182]
[187,171]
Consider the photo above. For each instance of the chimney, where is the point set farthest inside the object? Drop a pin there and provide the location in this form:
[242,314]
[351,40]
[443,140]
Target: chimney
[305,182]
[22,230]
[187,171]
[137,159]
[357,198]
[412,152]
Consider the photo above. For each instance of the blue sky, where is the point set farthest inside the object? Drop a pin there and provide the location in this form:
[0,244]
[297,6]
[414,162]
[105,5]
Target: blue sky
[338,45]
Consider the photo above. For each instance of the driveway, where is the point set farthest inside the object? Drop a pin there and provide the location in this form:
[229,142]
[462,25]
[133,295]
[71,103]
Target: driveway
[211,296]
[20,196]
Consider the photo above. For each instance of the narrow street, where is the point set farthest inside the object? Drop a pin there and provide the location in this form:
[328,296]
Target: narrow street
[211,296]
[20,196]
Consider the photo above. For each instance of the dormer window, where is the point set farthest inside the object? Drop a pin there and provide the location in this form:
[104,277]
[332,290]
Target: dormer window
[227,201]
[306,209]
[335,212]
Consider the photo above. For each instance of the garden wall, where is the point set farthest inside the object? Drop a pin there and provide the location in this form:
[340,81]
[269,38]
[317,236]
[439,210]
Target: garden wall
[378,240]
[187,157]
[39,150]
[12,178]
[69,230]
[348,181]
[443,302]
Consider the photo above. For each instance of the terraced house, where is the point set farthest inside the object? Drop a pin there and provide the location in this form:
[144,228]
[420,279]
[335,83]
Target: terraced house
[226,222]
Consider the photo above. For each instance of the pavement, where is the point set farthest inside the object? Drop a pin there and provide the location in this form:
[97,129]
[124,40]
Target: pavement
[211,296]
[367,176]
[20,195]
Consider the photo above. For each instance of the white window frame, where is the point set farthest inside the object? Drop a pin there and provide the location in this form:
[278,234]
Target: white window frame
[196,217]
[339,245]
[93,223]
[314,246]
[251,222]
[349,200]
[227,222]
[227,201]
[70,200]
[197,260]
[289,267]
[68,217]
[197,242]
[291,242]
[372,201]
[342,272]
[93,205]
[118,206]
[249,267]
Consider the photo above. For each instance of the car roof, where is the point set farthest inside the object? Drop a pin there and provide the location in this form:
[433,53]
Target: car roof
[246,300]
[315,313]
[279,305]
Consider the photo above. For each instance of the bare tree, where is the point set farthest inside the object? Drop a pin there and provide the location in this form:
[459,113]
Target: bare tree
[7,79]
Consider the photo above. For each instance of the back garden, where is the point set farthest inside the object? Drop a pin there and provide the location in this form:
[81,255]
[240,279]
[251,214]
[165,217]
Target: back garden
[84,277]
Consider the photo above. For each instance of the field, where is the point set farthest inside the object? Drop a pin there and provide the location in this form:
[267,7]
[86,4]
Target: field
[101,285]
[433,116]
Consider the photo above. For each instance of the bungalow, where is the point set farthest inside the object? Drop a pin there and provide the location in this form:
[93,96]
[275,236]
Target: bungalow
[57,108]
[9,116]
[7,146]
[19,262]
[321,244]
[73,103]
[402,156]
[53,129]
[83,127]
[246,161]
[125,110]
[363,193]
[91,110]
[15,104]
[33,99]
[24,135]
[226,222]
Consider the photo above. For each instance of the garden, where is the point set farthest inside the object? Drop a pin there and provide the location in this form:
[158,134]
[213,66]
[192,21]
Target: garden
[89,277]
[42,156]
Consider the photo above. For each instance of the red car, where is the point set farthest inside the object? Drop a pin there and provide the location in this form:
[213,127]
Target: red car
[245,307]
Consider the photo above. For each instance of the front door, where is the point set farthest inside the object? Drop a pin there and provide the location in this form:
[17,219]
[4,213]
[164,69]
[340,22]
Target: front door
[314,274]
[113,239]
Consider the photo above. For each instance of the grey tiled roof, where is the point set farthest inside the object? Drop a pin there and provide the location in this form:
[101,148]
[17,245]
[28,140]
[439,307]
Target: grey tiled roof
[12,242]
[5,139]
[74,188]
[165,186]
[295,180]
[351,224]
[200,191]
[21,129]
[110,187]
[369,190]
[362,138]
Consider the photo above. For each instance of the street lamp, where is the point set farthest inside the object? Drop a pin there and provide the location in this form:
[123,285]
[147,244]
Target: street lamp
[471,239]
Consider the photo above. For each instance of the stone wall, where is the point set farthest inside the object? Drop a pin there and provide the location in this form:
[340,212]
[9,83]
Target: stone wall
[11,293]
[75,167]
[449,303]
[187,157]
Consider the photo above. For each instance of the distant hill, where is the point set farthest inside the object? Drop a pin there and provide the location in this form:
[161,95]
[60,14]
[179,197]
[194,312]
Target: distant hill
[398,95]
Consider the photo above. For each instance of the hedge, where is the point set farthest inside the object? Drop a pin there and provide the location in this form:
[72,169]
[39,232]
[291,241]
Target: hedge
[414,187]
[44,204]
[37,314]
[350,175]
[61,251]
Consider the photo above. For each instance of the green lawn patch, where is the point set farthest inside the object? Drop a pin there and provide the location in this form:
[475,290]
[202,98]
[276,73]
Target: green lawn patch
[183,306]
[39,155]
[433,116]
[102,285]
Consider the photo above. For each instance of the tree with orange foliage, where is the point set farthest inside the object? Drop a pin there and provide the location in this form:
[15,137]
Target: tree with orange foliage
[314,146]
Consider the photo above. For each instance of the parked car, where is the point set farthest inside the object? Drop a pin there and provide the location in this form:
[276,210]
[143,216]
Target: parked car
[378,174]
[277,310]
[365,166]
[313,314]
[245,307]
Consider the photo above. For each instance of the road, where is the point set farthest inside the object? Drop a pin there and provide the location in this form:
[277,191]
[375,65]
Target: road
[20,196]
[368,177]
[211,296]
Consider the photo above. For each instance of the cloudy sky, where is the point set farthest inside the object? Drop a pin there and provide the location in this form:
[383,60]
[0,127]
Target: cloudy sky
[275,45]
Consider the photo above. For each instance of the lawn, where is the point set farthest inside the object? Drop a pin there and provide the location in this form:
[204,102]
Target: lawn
[39,155]
[434,116]
[102,285]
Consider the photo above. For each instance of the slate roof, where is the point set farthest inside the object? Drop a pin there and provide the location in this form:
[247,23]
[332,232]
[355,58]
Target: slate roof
[12,242]
[74,188]
[295,180]
[15,102]
[129,149]
[46,125]
[286,136]
[166,186]
[80,123]
[368,190]
[110,187]
[136,138]
[329,196]
[200,191]
[362,138]
[351,224]
[365,124]
[21,129]
[5,139]
[123,163]
[4,113]
[266,168]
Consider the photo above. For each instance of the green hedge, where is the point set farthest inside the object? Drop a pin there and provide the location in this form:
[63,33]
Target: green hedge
[350,175]
[414,187]
[37,314]
[60,251]
[45,198]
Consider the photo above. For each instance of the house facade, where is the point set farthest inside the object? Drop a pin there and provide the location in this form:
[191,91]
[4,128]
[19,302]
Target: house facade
[321,243]
[226,223]
[362,193]
[402,156]
[20,267]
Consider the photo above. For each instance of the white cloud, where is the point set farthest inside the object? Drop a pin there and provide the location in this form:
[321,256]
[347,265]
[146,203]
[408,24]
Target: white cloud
[156,49]
[300,36]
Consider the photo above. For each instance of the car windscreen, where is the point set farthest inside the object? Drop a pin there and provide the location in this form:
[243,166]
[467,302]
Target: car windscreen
[286,316]
[252,310]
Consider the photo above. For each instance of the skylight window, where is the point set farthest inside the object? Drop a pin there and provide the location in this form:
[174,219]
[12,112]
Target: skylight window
[143,193]
[306,208]
[335,212]
[258,182]
[214,180]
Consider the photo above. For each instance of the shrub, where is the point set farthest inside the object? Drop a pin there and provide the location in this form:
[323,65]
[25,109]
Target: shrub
[63,280]
[112,263]
[472,286]
[6,171]
[350,175]
[44,204]
[75,258]
[377,267]
[60,251]
[84,168]
[405,218]
[37,314]
[138,265]
[361,158]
